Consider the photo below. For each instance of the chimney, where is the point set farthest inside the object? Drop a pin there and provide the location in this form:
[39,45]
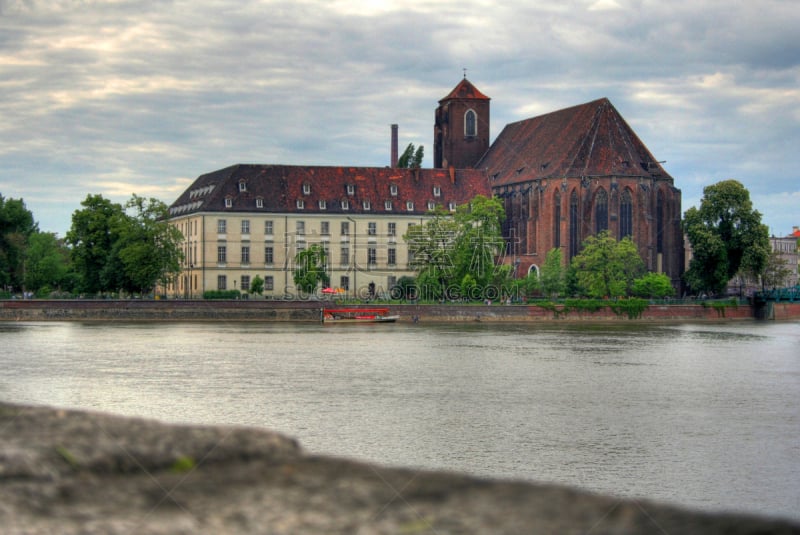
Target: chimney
[394,145]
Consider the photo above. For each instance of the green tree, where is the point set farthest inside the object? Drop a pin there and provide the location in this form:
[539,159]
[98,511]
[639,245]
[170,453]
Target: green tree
[405,288]
[726,235]
[776,272]
[91,240]
[47,264]
[257,285]
[653,285]
[431,246]
[552,277]
[16,226]
[606,267]
[310,269]
[411,158]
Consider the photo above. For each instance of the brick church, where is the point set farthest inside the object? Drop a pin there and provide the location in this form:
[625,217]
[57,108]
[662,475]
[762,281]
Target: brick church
[564,176]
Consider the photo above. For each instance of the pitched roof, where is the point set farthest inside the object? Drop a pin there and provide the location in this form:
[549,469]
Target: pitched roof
[590,139]
[365,190]
[465,90]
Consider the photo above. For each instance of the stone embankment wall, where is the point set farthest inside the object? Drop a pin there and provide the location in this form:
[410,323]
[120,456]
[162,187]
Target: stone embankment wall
[73,472]
[311,311]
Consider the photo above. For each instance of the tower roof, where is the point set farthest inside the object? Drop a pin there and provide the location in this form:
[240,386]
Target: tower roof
[465,90]
[590,139]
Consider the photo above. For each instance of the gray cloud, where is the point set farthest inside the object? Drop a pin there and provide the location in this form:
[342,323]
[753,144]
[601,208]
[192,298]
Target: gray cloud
[117,97]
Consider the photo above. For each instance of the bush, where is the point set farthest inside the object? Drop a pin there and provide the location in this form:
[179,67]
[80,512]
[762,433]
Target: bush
[222,294]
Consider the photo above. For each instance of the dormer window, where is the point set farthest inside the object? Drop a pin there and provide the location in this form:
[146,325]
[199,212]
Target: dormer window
[393,189]
[242,185]
[387,205]
[228,202]
[345,204]
[431,205]
[322,204]
[437,191]
[470,124]
[367,205]
[300,204]
[452,206]
[351,189]
[306,189]
[410,206]
[259,203]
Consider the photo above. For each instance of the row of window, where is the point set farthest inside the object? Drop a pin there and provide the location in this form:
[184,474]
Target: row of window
[269,282]
[344,204]
[300,227]
[351,190]
[344,254]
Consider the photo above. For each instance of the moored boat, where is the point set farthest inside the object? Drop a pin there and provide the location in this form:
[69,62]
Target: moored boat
[358,315]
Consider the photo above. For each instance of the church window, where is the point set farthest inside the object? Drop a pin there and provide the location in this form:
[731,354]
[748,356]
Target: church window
[470,124]
[601,211]
[660,222]
[557,220]
[625,215]
[574,222]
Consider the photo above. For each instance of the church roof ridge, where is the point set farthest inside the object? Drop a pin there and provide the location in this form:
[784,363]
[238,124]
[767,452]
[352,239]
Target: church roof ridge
[465,90]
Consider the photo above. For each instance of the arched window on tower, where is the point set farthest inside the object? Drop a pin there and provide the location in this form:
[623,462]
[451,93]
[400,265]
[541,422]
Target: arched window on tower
[660,222]
[557,220]
[601,211]
[625,214]
[574,224]
[470,124]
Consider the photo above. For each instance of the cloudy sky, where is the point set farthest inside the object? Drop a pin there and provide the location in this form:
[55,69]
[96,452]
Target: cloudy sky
[116,97]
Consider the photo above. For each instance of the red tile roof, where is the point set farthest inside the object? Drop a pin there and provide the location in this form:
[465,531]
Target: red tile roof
[591,139]
[465,90]
[366,189]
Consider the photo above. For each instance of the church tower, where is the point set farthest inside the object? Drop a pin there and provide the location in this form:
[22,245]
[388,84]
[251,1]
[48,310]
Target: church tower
[461,131]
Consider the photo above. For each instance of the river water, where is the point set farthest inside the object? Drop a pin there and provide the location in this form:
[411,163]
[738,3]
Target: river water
[703,415]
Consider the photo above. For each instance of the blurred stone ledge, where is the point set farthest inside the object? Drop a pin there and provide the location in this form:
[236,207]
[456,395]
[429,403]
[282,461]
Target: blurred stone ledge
[64,471]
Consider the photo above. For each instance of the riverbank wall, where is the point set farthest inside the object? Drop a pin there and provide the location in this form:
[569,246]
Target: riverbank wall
[311,311]
[70,472]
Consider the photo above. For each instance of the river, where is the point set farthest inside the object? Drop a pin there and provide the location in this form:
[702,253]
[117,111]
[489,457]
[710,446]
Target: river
[703,415]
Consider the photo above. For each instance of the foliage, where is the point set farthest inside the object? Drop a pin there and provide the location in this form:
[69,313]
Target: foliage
[16,227]
[47,264]
[726,235]
[606,267]
[310,269]
[257,285]
[632,307]
[411,158]
[776,272]
[552,277]
[454,256]
[654,286]
[222,294]
[405,288]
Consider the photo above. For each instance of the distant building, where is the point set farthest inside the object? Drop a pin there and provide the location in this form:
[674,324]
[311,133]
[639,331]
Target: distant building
[787,250]
[562,177]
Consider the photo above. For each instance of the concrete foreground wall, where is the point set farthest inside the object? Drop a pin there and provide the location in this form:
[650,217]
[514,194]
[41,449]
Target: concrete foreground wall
[76,472]
[310,311]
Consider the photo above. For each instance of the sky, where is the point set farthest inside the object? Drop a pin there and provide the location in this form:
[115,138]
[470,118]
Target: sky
[123,97]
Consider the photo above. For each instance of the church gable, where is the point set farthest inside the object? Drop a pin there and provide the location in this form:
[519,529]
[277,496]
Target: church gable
[591,139]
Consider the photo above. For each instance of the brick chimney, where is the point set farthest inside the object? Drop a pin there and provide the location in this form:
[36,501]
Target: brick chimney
[394,145]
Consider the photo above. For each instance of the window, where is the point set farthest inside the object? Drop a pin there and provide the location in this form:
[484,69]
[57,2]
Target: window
[391,281]
[470,124]
[372,256]
[345,204]
[431,205]
[601,211]
[268,227]
[306,189]
[259,203]
[437,191]
[300,228]
[351,189]
[300,246]
[345,228]
[324,228]
[574,236]
[367,205]
[269,254]
[228,202]
[387,205]
[393,190]
[245,226]
[392,229]
[300,204]
[269,283]
[659,222]
[245,283]
[372,228]
[222,253]
[344,282]
[410,206]
[392,256]
[245,254]
[625,215]
[222,282]
[242,185]
[557,220]
[323,205]
[344,256]
[221,226]
[451,206]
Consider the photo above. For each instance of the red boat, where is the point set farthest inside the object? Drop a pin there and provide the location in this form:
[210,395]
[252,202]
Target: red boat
[357,315]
